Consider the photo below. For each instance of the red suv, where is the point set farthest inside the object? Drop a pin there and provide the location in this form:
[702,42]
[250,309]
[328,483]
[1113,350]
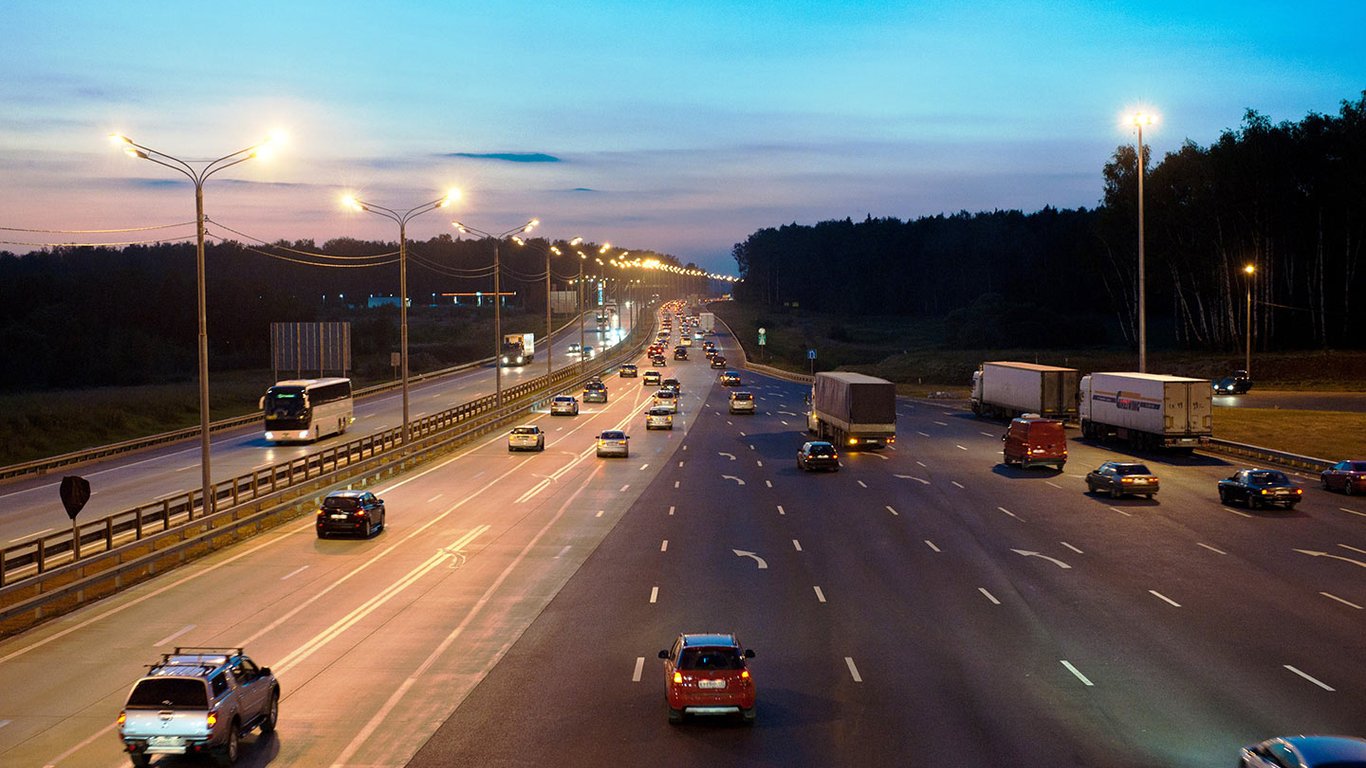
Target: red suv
[707,674]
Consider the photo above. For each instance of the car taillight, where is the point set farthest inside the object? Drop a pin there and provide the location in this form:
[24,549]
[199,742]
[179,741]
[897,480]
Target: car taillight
[1126,479]
[211,719]
[744,674]
[678,677]
[853,441]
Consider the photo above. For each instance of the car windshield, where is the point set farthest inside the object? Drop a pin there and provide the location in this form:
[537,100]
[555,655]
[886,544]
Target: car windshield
[1131,469]
[1268,478]
[711,658]
[340,502]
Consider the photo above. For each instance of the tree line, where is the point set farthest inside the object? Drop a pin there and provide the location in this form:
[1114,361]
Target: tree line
[1288,199]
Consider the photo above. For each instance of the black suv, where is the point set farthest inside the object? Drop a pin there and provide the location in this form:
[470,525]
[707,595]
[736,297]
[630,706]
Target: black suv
[350,512]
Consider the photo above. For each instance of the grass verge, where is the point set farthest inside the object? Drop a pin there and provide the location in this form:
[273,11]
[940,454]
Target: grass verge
[1331,435]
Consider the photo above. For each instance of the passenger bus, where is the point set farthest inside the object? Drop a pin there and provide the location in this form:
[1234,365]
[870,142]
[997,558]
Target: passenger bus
[307,409]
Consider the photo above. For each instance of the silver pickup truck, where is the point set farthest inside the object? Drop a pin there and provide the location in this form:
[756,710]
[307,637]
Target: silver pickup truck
[198,700]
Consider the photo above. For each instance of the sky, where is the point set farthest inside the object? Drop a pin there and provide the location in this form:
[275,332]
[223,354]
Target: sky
[675,127]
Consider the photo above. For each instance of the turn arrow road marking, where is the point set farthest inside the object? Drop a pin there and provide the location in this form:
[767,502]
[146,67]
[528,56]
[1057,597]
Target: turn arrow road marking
[730,456]
[741,553]
[1052,560]
[920,480]
[733,477]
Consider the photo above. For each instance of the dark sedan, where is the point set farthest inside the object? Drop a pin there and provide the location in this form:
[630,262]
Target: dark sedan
[1120,477]
[1260,487]
[1346,476]
[818,454]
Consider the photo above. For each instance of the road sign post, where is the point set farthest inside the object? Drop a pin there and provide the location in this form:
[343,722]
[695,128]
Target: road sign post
[763,342]
[75,492]
[811,358]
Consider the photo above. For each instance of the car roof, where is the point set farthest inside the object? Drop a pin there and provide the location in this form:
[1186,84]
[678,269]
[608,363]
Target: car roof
[709,639]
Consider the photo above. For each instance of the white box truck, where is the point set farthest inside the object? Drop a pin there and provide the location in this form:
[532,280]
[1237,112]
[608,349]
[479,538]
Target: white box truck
[1005,390]
[853,410]
[1147,409]
[707,321]
[518,349]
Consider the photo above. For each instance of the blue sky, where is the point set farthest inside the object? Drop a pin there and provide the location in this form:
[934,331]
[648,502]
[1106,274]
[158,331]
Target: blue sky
[680,127]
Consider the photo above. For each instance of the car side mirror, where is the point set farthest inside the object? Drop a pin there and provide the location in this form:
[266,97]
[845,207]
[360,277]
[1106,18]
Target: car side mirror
[264,672]
[663,654]
[749,653]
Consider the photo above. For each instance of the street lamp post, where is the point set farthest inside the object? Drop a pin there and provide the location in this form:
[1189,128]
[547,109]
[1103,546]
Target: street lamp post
[582,338]
[1249,270]
[198,175]
[497,298]
[402,220]
[1141,119]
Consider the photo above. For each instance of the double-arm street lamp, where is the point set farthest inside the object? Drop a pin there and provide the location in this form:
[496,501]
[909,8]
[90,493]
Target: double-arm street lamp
[1141,119]
[402,220]
[198,172]
[497,297]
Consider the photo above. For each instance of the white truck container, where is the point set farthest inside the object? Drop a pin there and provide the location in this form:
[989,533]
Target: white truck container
[707,320]
[1005,390]
[1147,409]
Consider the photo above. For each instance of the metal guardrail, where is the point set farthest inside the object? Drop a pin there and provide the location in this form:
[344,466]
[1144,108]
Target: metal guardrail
[87,455]
[37,556]
[1269,455]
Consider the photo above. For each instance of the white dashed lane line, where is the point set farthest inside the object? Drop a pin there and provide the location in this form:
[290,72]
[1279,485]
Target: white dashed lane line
[955,482]
[931,545]
[780,510]
[1164,598]
[664,545]
[1347,603]
[862,484]
[853,670]
[654,594]
[1008,512]
[797,545]
[671,509]
[820,596]
[1311,679]
[640,667]
[893,511]
[989,596]
[1215,550]
[1076,672]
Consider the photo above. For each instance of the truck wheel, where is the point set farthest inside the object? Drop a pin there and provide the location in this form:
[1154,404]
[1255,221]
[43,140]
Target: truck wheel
[228,754]
[272,714]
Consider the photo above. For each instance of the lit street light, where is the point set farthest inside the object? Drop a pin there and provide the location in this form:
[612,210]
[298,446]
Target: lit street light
[1249,270]
[497,298]
[1141,119]
[198,173]
[402,220]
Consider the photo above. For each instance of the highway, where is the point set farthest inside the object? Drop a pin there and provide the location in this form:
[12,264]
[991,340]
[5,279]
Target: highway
[32,506]
[923,606]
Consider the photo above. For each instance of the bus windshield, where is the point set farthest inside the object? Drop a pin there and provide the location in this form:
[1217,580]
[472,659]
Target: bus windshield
[286,403]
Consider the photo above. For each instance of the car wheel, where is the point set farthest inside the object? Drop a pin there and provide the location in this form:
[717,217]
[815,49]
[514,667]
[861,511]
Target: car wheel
[228,754]
[1148,496]
[1223,496]
[1114,493]
[747,716]
[139,759]
[1252,502]
[273,714]
[1348,489]
[675,716]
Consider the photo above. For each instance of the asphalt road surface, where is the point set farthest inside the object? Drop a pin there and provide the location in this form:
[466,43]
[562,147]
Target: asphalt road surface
[923,606]
[1354,402]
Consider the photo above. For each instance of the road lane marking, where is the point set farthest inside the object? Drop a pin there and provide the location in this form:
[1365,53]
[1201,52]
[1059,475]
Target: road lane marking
[751,447]
[644,466]
[33,535]
[959,447]
[762,563]
[4,723]
[532,491]
[640,667]
[931,545]
[797,545]
[1234,511]
[563,551]
[654,594]
[759,462]
[922,434]
[1008,512]
[729,456]
[675,483]
[865,485]
[1354,549]
[1164,598]
[1050,482]
[294,572]
[1076,672]
[1041,556]
[599,514]
[1315,553]
[1215,550]
[624,487]
[989,596]
[434,498]
[820,596]
[671,509]
[680,463]
[1352,511]
[784,423]
[1340,600]
[780,510]
[1069,546]
[769,483]
[853,670]
[167,639]
[1122,512]
[1311,679]
[664,546]
[921,463]
[955,482]
[988,434]
[893,511]
[942,423]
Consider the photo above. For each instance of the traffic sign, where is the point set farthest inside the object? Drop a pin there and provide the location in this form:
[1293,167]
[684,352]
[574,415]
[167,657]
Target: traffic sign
[810,354]
[763,336]
[75,492]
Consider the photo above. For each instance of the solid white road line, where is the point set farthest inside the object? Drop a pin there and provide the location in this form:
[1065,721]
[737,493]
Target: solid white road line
[1163,598]
[640,667]
[893,511]
[1076,672]
[797,545]
[1122,512]
[1311,679]
[1354,549]
[853,670]
[36,534]
[955,482]
[294,572]
[931,545]
[654,594]
[1340,600]
[1215,550]
[1069,546]
[1350,511]
[167,639]
[664,546]
[820,596]
[989,596]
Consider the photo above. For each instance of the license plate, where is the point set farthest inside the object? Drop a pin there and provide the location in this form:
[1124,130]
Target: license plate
[711,683]
[166,744]
[338,517]
[1140,482]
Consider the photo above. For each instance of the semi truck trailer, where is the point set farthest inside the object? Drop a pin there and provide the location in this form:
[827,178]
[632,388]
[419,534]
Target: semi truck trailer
[1005,390]
[1147,409]
[853,410]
